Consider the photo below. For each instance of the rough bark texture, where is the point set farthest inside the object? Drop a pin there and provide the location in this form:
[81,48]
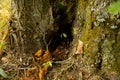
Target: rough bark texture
[40,23]
[34,23]
[100,34]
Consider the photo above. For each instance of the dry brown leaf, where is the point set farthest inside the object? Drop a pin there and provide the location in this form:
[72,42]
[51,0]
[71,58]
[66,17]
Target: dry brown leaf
[43,56]
[42,72]
[46,57]
[39,53]
[80,47]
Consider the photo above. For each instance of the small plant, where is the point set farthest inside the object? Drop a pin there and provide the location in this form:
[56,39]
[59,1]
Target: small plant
[63,35]
[48,63]
[2,73]
[114,8]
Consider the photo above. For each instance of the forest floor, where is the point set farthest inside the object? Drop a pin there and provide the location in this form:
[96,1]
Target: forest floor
[62,65]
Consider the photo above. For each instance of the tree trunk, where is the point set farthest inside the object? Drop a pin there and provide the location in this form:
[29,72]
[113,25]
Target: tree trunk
[39,24]
[33,26]
[100,34]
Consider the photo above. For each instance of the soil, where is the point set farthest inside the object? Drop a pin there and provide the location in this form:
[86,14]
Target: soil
[20,66]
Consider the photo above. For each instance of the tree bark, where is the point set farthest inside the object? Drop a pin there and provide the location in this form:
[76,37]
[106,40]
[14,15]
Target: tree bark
[33,25]
[39,24]
[100,34]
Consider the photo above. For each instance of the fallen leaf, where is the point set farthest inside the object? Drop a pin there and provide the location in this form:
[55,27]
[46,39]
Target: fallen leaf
[39,53]
[80,47]
[43,56]
[42,72]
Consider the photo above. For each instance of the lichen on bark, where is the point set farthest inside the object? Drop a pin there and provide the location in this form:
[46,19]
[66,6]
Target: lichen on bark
[101,47]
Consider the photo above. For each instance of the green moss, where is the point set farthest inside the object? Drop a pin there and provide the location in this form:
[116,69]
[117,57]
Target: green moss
[100,42]
[116,52]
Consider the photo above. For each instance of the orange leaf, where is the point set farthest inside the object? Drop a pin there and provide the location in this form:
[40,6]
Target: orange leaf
[42,72]
[39,53]
[43,56]
[46,57]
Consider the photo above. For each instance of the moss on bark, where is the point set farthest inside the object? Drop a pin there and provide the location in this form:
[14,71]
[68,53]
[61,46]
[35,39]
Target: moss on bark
[101,41]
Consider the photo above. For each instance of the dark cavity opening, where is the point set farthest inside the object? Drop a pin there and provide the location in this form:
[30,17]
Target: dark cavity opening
[64,16]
